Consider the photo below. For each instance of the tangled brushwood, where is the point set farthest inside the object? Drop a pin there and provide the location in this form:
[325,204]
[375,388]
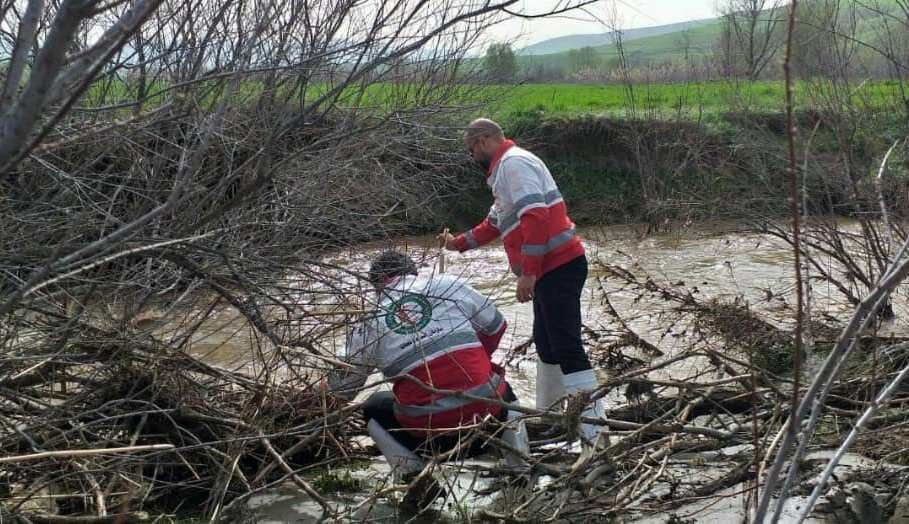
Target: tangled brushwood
[685,446]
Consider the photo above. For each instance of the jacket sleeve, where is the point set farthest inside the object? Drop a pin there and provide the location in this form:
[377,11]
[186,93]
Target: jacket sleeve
[481,234]
[525,190]
[484,316]
[534,227]
[359,349]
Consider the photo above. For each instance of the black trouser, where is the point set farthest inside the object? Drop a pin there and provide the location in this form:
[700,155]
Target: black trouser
[380,407]
[557,316]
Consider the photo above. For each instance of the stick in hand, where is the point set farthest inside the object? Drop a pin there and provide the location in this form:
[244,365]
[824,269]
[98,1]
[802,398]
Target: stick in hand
[442,251]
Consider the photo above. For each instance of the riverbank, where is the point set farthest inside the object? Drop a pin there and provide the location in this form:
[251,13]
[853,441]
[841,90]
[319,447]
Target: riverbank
[621,169]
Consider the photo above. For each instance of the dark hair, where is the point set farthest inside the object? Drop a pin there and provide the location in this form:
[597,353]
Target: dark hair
[390,264]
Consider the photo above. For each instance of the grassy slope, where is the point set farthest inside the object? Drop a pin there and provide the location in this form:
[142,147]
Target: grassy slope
[694,42]
[697,41]
[566,43]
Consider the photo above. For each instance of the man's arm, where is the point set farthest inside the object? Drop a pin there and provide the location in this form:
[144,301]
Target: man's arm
[485,317]
[535,230]
[481,234]
[358,349]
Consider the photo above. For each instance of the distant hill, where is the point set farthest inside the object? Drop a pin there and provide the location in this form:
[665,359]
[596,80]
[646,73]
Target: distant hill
[689,42]
[567,43]
[695,41]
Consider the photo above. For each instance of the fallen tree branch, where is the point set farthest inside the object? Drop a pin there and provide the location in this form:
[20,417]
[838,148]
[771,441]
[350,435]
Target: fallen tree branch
[84,453]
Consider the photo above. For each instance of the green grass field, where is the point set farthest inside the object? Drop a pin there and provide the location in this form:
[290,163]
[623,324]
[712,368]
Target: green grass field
[674,100]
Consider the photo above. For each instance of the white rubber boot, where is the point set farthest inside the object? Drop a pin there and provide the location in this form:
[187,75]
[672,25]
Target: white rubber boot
[401,460]
[593,436]
[550,385]
[515,435]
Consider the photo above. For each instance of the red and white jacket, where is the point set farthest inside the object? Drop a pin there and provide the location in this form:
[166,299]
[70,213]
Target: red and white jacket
[439,331]
[529,213]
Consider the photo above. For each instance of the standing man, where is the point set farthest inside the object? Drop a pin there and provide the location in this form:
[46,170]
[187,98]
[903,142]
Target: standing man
[547,255]
[427,334]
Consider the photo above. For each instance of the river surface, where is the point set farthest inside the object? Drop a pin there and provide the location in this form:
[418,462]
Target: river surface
[717,260]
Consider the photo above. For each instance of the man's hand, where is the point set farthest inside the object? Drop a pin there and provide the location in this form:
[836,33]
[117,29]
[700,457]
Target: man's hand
[447,240]
[525,287]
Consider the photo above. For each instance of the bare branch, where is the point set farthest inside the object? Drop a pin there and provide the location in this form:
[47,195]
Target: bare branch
[27,30]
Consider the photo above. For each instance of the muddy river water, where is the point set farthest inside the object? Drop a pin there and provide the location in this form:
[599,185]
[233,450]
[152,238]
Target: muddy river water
[719,260]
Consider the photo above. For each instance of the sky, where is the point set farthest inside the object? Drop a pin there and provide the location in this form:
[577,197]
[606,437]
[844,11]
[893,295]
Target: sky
[633,13]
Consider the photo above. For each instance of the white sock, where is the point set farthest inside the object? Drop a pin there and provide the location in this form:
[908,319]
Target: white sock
[401,459]
[515,435]
[550,387]
[586,381]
